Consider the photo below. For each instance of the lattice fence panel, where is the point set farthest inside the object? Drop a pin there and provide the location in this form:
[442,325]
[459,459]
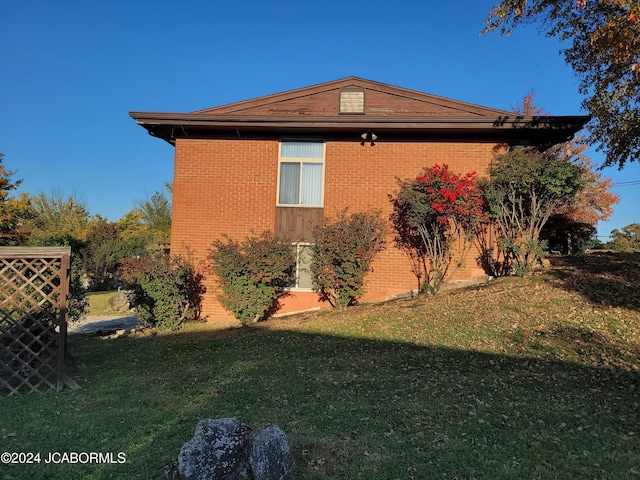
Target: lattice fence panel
[34,286]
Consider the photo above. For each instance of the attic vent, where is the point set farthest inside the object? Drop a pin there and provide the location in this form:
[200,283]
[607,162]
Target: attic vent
[352,100]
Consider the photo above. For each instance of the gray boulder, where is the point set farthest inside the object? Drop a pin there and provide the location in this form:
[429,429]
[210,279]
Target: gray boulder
[119,302]
[218,450]
[270,456]
[224,449]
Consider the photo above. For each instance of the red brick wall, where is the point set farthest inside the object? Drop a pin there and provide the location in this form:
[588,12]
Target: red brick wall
[229,187]
[221,187]
[367,187]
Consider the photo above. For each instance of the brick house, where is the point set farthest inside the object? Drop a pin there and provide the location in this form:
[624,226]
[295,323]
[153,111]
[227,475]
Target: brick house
[282,162]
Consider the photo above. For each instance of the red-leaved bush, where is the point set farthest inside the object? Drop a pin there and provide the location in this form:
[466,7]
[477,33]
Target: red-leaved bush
[435,216]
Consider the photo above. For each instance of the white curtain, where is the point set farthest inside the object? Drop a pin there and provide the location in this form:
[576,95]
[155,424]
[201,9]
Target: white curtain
[311,184]
[289,184]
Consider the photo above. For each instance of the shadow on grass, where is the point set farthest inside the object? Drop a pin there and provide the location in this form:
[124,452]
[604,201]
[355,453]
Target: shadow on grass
[354,408]
[605,278]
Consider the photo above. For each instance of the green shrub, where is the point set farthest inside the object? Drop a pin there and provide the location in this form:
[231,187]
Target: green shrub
[343,253]
[78,301]
[166,291]
[252,275]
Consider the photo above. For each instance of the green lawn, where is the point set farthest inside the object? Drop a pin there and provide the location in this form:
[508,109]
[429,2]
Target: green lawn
[98,303]
[534,378]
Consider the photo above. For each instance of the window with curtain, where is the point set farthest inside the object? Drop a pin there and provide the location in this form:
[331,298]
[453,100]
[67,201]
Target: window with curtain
[301,172]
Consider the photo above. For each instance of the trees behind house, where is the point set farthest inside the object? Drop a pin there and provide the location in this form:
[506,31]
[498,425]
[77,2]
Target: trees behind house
[57,220]
[106,245]
[627,239]
[13,210]
[602,45]
[54,220]
[144,231]
[169,289]
[524,189]
[155,214]
[571,228]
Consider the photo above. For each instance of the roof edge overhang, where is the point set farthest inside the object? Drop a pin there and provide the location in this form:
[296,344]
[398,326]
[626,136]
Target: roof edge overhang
[511,128]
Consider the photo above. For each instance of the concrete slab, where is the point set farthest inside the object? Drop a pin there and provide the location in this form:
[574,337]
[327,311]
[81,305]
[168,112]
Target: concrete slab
[102,323]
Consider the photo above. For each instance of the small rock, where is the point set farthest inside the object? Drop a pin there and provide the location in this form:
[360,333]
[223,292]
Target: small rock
[270,457]
[216,451]
[224,449]
[119,302]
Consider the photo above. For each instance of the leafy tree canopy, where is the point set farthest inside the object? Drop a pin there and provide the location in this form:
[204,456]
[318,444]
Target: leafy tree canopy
[58,220]
[155,213]
[13,211]
[525,189]
[602,45]
[627,240]
[570,228]
[103,252]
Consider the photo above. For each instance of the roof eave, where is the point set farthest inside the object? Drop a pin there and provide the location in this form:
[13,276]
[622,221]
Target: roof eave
[170,126]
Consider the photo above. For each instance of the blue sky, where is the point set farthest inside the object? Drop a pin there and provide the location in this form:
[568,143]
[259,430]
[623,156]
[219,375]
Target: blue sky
[72,70]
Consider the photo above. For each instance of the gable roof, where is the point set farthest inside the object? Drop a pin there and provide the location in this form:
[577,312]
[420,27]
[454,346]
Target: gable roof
[381,100]
[396,113]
